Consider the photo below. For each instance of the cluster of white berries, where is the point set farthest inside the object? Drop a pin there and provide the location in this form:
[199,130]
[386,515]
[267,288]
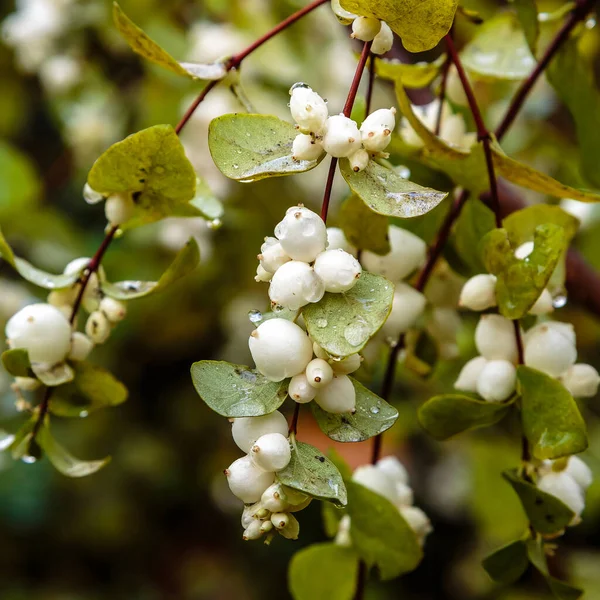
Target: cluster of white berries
[366,29]
[453,129]
[118,208]
[568,480]
[389,479]
[253,478]
[337,135]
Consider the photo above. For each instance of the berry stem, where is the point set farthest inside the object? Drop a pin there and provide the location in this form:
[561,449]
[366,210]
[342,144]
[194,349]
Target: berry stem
[293,429]
[235,61]
[371,85]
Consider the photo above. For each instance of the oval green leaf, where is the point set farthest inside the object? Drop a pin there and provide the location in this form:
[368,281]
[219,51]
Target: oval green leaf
[17,363]
[417,75]
[364,228]
[373,416]
[342,324]
[235,390]
[252,147]
[507,564]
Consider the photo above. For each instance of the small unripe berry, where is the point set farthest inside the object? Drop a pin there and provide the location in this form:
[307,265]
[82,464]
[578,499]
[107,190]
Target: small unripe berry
[377,481]
[346,365]
[97,327]
[469,374]
[305,147]
[90,195]
[319,373]
[580,472]
[308,109]
[341,137]
[266,526]
[27,384]
[393,468]
[549,351]
[114,310]
[249,514]
[292,529]
[274,498]
[562,486]
[253,531]
[337,239]
[408,252]
[497,380]
[359,160]
[81,346]
[495,338]
[246,480]
[338,397]
[262,275]
[365,28]
[91,296]
[581,380]
[407,306]
[376,130]
[479,292]
[280,520]
[42,330]
[418,521]
[119,208]
[300,389]
[295,284]
[543,305]
[246,430]
[319,352]
[338,270]
[383,41]
[62,298]
[271,452]
[302,234]
[524,250]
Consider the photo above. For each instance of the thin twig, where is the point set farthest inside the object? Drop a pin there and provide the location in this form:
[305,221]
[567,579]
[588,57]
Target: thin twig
[294,421]
[371,85]
[442,94]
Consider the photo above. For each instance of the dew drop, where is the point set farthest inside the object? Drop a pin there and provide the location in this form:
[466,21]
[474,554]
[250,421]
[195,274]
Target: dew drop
[236,166]
[375,409]
[559,301]
[29,459]
[214,224]
[322,323]
[83,414]
[403,171]
[356,334]
[255,316]
[159,170]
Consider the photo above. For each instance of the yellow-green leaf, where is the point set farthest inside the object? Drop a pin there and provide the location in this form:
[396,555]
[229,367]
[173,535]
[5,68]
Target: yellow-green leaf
[507,564]
[417,75]
[364,228]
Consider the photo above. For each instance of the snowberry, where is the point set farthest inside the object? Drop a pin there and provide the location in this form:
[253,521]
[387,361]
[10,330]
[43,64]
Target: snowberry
[479,292]
[271,452]
[280,349]
[97,327]
[341,137]
[377,481]
[404,494]
[376,130]
[565,329]
[62,298]
[407,306]
[90,195]
[272,255]
[302,234]
[338,397]
[543,305]
[393,468]
[359,160]
[295,284]
[81,346]
[469,374]
[292,529]
[280,520]
[274,498]
[249,513]
[246,480]
[365,28]
[300,389]
[408,252]
[42,330]
[495,338]
[346,365]
[497,380]
[337,239]
[524,250]
[581,380]
[549,351]
[266,526]
[308,109]
[338,270]
[253,531]
[319,352]
[342,537]
[114,310]
[27,384]
[262,275]
[306,147]
[418,521]
[246,430]
[119,208]
[319,373]
[383,41]
[580,472]
[91,296]
[562,486]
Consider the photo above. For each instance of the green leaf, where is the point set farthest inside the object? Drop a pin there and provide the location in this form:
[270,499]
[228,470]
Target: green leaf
[141,44]
[342,324]
[279,312]
[236,391]
[499,50]
[379,533]
[551,419]
[205,204]
[507,564]
[17,363]
[323,572]
[23,445]
[20,184]
[331,518]
[362,227]
[32,274]
[53,375]
[314,474]
[420,23]
[546,513]
[527,13]
[93,388]
[185,262]
[152,166]
[520,282]
[572,76]
[61,459]
[387,193]
[252,147]
[447,415]
[418,75]
[6,440]
[373,416]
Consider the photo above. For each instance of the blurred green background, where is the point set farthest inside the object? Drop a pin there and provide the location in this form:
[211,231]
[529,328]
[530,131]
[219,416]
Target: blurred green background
[159,521]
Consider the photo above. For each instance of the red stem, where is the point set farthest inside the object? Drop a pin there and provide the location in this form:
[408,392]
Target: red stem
[371,86]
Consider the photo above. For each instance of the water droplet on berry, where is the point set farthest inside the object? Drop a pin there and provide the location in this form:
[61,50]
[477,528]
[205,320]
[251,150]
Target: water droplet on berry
[559,301]
[255,316]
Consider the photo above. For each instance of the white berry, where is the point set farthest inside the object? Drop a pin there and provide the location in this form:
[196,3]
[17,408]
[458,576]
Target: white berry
[81,346]
[479,292]
[497,380]
[90,195]
[262,275]
[359,160]
[524,250]
[376,130]
[383,41]
[581,380]
[246,430]
[418,521]
[302,234]
[495,338]
[548,350]
[306,147]
[97,327]
[543,305]
[271,452]
[346,365]
[295,284]
[246,480]
[42,330]
[338,270]
[300,389]
[119,208]
[319,352]
[562,486]
[308,109]
[393,468]
[272,255]
[338,397]
[377,481]
[319,373]
[337,239]
[274,498]
[114,310]
[469,374]
[580,472]
[407,306]
[365,28]
[341,137]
